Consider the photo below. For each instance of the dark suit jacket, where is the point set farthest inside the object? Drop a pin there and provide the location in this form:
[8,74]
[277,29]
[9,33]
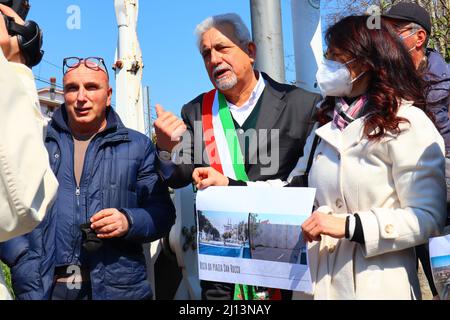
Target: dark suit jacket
[284,107]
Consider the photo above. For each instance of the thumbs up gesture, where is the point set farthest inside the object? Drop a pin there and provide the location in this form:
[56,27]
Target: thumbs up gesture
[168,128]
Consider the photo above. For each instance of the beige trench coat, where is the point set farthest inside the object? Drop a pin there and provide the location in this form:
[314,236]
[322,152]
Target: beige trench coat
[27,183]
[397,187]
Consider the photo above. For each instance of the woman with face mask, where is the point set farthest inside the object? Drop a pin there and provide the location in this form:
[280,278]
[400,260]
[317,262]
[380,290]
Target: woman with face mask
[377,162]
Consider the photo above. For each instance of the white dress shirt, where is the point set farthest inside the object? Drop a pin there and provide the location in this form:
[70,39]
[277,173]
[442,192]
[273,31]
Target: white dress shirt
[240,114]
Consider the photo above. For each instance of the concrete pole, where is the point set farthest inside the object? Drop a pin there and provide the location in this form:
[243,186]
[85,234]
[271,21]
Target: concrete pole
[308,49]
[268,36]
[128,66]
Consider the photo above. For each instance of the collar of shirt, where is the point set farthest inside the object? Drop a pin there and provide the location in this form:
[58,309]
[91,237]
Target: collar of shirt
[240,114]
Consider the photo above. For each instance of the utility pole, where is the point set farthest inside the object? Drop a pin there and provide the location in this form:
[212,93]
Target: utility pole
[128,66]
[268,36]
[129,94]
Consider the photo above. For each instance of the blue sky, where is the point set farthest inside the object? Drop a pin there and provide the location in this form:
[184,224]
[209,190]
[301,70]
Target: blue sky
[441,261]
[173,70]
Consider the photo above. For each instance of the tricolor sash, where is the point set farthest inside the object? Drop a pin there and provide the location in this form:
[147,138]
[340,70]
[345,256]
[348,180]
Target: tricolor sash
[221,142]
[225,155]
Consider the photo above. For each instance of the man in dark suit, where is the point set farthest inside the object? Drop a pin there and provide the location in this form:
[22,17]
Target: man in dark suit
[249,128]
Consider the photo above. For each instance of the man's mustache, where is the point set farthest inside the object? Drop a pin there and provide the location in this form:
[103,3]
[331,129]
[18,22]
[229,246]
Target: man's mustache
[221,68]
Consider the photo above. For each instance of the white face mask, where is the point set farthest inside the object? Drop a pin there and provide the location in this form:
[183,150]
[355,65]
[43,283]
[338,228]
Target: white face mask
[334,78]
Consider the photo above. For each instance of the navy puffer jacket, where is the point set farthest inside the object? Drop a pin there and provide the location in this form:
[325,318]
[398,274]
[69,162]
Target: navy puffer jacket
[119,172]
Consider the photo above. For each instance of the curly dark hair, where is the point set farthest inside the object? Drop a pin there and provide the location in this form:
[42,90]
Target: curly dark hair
[393,75]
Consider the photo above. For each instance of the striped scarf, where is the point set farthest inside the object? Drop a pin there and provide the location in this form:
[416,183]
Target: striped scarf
[344,113]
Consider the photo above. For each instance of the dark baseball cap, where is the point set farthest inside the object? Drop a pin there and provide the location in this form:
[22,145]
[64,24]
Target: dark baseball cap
[410,12]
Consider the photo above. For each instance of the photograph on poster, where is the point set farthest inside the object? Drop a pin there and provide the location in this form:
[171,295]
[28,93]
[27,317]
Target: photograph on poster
[255,239]
[440,265]
[255,236]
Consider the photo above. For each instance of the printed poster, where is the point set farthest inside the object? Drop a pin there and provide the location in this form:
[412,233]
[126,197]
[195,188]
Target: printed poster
[440,265]
[252,235]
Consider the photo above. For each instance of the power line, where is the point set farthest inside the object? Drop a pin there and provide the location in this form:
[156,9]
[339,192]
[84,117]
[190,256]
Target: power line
[47,82]
[52,64]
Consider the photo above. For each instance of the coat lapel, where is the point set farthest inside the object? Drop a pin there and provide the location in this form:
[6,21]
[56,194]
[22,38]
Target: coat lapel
[342,140]
[353,134]
[331,135]
[272,106]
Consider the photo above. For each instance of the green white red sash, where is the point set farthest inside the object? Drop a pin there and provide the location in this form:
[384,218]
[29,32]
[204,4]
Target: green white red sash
[224,154]
[221,142]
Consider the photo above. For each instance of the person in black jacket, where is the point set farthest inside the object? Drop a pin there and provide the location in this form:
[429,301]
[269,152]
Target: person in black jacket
[267,122]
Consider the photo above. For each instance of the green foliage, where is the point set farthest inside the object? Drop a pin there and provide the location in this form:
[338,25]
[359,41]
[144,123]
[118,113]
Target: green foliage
[226,235]
[7,275]
[206,226]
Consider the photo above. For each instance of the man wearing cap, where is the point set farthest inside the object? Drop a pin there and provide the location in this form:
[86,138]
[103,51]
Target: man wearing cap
[110,201]
[413,25]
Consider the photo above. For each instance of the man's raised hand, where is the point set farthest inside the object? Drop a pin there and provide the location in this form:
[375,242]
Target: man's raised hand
[168,128]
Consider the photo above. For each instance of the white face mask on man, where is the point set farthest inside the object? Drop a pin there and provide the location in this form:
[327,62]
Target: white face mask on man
[334,78]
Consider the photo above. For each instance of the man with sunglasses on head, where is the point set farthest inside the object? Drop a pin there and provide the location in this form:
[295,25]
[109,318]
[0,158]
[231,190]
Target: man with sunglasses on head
[249,127]
[413,25]
[27,184]
[111,200]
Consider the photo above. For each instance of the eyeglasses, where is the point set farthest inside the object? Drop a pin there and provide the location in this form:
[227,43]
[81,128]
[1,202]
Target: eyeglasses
[413,27]
[332,56]
[94,63]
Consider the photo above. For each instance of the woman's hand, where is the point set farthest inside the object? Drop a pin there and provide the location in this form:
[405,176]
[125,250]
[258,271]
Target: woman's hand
[207,176]
[321,223]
